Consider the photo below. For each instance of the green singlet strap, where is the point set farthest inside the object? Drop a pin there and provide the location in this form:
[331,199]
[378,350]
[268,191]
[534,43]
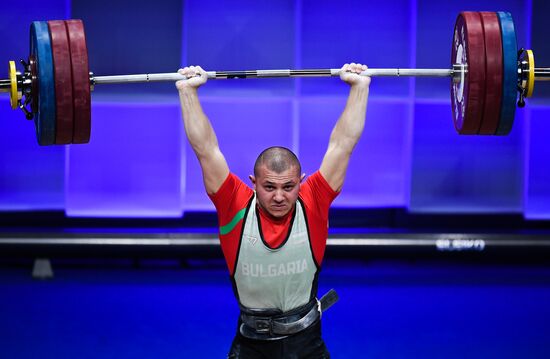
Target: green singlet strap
[229,227]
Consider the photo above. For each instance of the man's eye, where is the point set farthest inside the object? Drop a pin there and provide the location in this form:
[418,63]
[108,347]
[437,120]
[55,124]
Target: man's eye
[288,188]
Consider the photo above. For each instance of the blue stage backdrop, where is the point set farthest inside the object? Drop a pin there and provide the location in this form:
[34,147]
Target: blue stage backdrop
[139,164]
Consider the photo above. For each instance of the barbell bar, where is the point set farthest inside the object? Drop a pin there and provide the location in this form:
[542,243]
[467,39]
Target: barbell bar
[249,74]
[487,72]
[541,74]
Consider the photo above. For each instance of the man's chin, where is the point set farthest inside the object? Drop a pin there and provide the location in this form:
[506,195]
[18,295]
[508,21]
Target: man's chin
[278,213]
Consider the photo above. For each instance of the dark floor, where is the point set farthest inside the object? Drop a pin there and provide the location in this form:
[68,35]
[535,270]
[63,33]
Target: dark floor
[387,309]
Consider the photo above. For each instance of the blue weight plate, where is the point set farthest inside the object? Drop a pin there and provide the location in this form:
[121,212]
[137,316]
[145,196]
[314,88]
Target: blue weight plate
[510,73]
[41,49]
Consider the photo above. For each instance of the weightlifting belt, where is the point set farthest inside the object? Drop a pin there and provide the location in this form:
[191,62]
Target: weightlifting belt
[272,324]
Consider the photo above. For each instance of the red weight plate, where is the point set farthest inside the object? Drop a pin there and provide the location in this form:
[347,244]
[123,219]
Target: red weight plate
[63,82]
[468,94]
[81,81]
[493,73]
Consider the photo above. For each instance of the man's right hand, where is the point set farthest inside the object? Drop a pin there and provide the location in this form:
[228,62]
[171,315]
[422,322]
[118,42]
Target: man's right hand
[350,73]
[195,75]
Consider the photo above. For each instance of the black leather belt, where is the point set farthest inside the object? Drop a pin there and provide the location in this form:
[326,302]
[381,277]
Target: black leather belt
[270,325]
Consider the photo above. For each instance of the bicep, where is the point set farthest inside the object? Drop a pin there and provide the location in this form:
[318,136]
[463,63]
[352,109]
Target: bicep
[214,170]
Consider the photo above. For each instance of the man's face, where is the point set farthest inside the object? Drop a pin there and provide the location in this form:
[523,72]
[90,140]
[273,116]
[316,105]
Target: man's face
[277,192]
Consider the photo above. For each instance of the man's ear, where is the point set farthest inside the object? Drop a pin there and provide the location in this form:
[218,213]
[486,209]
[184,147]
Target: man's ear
[253,180]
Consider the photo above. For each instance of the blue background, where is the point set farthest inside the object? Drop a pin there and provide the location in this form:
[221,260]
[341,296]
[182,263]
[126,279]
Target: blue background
[139,163]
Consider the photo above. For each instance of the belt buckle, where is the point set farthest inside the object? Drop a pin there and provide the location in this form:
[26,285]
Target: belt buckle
[263,325]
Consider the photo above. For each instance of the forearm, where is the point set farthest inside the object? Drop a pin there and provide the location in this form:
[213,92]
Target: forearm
[198,128]
[350,125]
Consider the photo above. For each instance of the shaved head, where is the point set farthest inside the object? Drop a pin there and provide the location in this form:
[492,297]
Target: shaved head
[277,159]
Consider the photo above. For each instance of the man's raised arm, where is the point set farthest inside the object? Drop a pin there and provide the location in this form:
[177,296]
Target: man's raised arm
[348,128]
[199,130]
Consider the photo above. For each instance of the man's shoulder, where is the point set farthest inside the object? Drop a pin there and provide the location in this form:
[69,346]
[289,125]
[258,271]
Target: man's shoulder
[318,184]
[233,194]
[316,193]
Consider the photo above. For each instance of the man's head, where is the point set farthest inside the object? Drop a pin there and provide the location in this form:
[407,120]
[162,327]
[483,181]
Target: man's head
[277,177]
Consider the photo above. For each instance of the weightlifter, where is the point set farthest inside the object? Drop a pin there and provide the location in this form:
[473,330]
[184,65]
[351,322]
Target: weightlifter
[273,235]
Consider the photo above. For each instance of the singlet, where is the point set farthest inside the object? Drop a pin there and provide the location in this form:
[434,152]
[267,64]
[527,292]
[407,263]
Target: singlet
[281,278]
[237,215]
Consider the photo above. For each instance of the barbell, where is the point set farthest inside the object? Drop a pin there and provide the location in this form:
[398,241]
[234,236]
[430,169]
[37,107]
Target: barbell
[487,73]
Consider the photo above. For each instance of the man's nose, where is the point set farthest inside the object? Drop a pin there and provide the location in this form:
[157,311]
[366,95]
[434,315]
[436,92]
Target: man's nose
[279,197]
